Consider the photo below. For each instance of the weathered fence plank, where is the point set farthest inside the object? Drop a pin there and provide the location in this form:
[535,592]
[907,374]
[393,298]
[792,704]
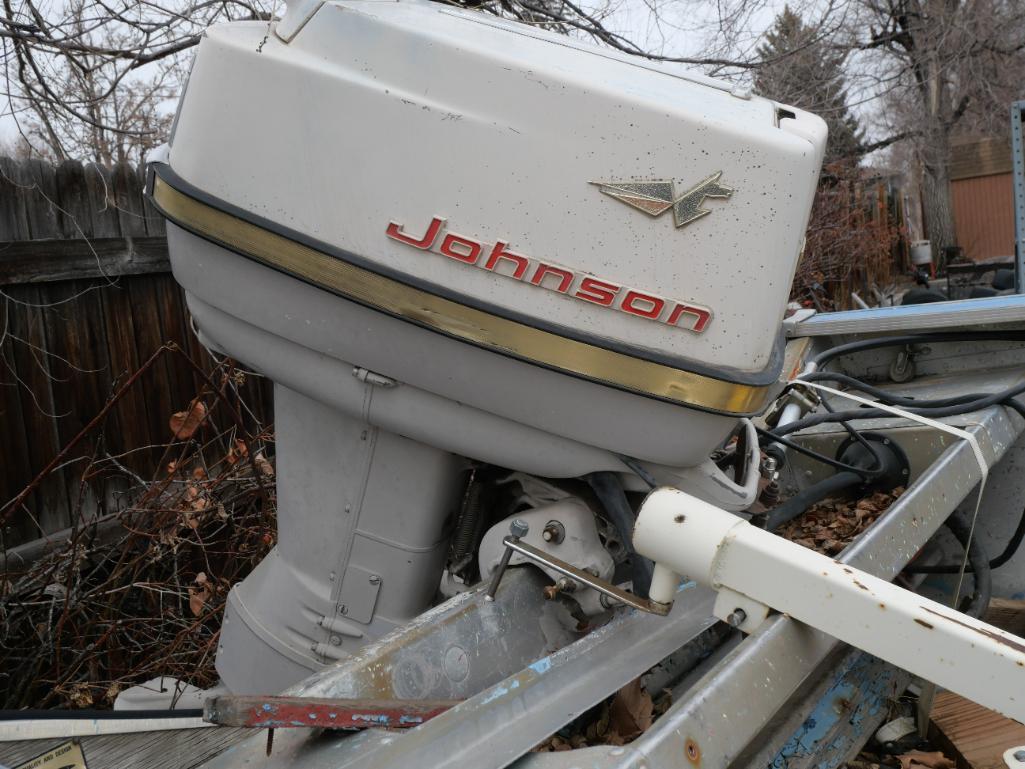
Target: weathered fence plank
[28,364]
[86,295]
[46,261]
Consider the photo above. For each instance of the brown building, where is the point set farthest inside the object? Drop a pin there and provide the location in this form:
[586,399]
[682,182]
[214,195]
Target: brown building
[983,198]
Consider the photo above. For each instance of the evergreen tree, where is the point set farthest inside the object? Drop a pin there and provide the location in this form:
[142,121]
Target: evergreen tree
[803,71]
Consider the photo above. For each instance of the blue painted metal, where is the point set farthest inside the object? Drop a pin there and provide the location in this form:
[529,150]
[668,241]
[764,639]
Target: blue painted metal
[1018,154]
[843,719]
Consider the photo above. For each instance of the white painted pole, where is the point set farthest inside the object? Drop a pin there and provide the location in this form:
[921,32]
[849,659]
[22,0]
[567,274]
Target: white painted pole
[753,569]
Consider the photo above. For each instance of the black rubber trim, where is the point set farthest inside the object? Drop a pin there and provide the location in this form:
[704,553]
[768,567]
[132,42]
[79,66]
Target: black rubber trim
[98,715]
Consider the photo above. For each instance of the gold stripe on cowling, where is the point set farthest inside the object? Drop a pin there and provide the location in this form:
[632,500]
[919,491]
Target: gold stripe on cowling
[457,320]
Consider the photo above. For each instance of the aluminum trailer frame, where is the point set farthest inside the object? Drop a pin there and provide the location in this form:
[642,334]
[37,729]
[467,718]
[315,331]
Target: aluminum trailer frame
[787,694]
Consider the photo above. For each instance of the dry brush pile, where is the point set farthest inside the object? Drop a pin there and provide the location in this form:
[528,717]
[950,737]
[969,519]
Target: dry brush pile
[139,592]
[851,241]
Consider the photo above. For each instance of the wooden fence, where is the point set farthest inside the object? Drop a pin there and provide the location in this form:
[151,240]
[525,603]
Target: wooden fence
[87,296]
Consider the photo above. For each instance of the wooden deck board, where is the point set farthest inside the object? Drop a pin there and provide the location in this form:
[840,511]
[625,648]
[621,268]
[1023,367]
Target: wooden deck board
[975,736]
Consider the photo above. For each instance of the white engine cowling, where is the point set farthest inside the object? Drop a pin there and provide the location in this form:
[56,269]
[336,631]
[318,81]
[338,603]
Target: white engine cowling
[627,223]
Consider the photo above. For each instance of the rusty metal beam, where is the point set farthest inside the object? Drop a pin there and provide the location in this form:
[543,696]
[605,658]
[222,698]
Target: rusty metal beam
[310,712]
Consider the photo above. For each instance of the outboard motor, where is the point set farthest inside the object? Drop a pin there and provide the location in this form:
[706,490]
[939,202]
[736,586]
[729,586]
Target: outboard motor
[455,241]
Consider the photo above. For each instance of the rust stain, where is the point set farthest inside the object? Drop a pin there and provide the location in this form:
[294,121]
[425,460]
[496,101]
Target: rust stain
[882,605]
[680,518]
[1010,642]
[923,623]
[860,585]
[693,752]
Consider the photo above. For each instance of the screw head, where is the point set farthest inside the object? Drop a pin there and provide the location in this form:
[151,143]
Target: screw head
[736,618]
[375,580]
[519,527]
[336,640]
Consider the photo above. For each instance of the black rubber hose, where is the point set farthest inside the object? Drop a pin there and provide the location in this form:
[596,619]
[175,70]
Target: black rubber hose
[609,490]
[802,500]
[886,396]
[961,528]
[866,473]
[904,401]
[891,341]
[936,413]
[955,568]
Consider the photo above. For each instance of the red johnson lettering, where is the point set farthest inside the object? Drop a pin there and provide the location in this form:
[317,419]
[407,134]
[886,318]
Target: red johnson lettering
[556,277]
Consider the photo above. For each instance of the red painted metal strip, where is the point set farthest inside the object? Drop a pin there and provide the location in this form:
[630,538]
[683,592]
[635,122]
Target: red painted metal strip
[295,712]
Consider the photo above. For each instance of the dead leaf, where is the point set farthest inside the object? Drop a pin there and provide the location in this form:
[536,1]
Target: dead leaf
[198,596]
[630,711]
[263,465]
[185,423]
[80,695]
[830,525]
[917,758]
[238,451]
[199,473]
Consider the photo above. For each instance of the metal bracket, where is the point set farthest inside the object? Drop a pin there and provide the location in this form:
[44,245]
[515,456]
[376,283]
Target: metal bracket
[1018,153]
[519,528]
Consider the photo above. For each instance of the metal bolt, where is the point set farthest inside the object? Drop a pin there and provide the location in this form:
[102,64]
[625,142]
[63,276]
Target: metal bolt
[336,640]
[770,494]
[517,529]
[736,618]
[343,609]
[375,580]
[554,532]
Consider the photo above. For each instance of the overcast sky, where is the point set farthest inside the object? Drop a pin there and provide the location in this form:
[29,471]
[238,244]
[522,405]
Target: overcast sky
[687,28]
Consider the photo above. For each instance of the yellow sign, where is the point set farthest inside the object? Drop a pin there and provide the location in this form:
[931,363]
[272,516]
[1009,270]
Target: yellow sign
[69,755]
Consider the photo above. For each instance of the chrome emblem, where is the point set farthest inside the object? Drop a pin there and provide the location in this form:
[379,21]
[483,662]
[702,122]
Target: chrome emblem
[657,197]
